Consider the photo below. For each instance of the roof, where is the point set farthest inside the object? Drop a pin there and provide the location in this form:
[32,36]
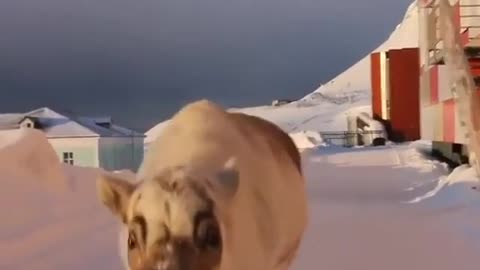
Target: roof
[10,120]
[66,125]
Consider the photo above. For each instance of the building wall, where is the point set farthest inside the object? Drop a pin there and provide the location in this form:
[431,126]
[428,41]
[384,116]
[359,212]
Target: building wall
[438,106]
[440,121]
[116,153]
[428,114]
[139,152]
[395,92]
[84,150]
[404,84]
[466,14]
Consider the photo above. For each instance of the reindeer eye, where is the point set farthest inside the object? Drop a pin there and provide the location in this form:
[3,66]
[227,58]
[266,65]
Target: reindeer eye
[132,241]
[212,237]
[207,233]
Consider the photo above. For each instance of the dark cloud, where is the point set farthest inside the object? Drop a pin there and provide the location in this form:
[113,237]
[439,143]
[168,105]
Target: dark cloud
[140,60]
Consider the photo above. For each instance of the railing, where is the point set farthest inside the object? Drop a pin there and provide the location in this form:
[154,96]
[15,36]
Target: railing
[348,138]
[469,20]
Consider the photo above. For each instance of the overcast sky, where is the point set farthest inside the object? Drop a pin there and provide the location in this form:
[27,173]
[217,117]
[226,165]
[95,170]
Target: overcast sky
[139,60]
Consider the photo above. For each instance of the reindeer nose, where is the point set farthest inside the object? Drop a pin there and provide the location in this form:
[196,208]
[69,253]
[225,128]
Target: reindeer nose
[164,264]
[163,260]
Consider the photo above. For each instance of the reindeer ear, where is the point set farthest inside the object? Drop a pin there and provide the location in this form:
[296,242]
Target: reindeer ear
[226,181]
[115,192]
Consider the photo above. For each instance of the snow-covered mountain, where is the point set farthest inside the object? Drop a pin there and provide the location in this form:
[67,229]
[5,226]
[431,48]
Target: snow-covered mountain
[326,107]
[357,77]
[52,218]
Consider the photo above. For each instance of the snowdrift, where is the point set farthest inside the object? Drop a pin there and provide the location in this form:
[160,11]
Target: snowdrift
[459,188]
[28,154]
[51,218]
[306,139]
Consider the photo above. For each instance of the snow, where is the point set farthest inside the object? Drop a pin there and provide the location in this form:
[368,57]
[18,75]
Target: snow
[294,117]
[323,117]
[388,207]
[360,218]
[27,153]
[306,139]
[66,125]
[372,124]
[458,187]
[326,108]
[10,137]
[357,77]
[50,215]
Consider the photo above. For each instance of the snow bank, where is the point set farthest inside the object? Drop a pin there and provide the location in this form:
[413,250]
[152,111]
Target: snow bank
[418,156]
[51,217]
[27,154]
[458,188]
[306,139]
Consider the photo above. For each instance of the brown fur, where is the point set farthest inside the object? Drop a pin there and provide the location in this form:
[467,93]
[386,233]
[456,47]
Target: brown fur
[280,142]
[243,170]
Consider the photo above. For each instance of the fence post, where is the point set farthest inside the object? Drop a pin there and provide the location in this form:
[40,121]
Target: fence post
[352,127]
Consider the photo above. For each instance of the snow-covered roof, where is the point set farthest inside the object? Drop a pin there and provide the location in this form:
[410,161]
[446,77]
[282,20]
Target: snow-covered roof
[65,125]
[10,120]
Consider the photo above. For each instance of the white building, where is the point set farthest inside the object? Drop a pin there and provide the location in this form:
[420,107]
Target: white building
[83,141]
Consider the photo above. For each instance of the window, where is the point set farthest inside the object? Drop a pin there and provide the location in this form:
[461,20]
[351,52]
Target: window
[68,158]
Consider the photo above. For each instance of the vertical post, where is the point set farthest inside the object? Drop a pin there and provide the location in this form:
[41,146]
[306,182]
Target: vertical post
[463,86]
[352,130]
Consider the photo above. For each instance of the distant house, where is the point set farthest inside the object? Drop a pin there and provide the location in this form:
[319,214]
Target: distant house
[83,141]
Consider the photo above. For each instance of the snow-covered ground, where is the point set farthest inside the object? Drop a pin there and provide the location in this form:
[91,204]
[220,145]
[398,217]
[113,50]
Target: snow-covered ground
[379,208]
[51,218]
[388,207]
[369,210]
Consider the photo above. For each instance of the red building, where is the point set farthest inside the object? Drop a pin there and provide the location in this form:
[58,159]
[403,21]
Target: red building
[440,121]
[395,92]
[413,91]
